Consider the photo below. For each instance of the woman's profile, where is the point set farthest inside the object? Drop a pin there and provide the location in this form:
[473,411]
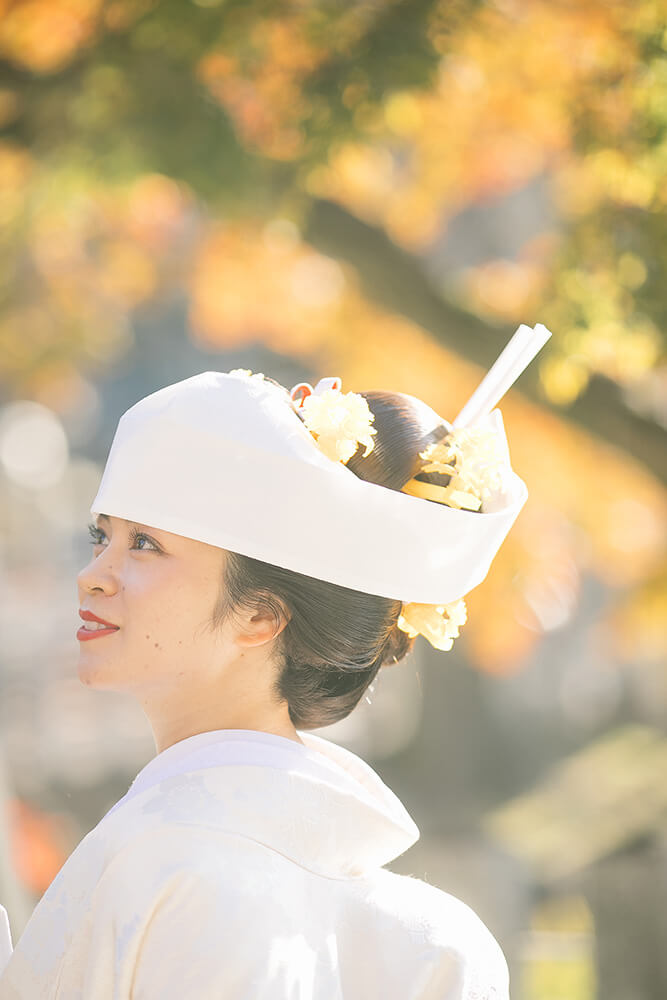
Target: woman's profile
[258,555]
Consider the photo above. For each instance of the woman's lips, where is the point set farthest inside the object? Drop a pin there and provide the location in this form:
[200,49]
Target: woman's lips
[94,630]
[84,634]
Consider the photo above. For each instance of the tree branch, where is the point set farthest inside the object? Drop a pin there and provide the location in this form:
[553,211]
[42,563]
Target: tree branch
[396,281]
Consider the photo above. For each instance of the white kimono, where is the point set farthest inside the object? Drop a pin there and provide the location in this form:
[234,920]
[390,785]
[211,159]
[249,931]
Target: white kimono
[244,866]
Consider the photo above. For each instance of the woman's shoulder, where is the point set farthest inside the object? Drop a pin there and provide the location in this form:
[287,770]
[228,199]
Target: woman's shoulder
[174,849]
[432,909]
[447,926]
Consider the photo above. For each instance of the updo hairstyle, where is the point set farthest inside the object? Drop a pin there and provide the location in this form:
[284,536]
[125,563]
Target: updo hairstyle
[336,639]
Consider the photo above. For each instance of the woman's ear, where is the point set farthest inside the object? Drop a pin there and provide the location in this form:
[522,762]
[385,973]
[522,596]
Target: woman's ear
[261,625]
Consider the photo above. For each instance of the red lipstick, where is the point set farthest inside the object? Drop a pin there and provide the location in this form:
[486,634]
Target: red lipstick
[94,633]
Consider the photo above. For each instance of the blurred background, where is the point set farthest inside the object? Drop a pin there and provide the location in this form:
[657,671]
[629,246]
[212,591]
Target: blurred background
[381,191]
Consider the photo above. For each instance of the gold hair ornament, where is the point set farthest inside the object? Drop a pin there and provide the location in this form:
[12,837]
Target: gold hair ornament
[473,460]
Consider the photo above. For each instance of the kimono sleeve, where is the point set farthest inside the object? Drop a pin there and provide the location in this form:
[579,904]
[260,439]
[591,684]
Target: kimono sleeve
[482,971]
[483,967]
[458,956]
[487,976]
[472,968]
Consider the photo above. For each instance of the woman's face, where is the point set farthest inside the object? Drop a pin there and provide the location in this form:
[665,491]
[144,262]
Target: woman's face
[189,676]
[159,589]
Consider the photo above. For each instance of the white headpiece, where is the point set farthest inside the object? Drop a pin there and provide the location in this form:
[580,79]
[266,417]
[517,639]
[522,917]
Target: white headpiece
[225,458]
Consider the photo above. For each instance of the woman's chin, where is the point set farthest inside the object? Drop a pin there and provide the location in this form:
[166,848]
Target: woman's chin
[95,672]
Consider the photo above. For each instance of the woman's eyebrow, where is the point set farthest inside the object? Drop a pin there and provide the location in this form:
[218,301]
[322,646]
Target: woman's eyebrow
[137,524]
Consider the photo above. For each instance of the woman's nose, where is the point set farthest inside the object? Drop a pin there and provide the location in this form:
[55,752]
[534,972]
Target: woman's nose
[99,574]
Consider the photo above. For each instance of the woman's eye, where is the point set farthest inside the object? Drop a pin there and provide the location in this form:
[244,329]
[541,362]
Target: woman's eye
[97,534]
[138,536]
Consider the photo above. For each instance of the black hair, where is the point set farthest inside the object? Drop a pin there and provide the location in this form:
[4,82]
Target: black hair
[336,639]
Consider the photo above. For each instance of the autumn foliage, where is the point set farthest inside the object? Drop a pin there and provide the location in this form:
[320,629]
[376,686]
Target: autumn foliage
[155,150]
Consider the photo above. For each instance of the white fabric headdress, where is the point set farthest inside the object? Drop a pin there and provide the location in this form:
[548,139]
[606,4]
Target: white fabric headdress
[224,458]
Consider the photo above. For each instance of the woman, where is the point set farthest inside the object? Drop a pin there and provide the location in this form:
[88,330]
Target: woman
[258,556]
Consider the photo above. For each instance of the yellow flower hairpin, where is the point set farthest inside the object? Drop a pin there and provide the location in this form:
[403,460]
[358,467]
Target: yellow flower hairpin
[439,623]
[339,421]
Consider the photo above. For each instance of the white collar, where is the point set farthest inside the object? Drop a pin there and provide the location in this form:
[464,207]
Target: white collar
[256,784]
[248,746]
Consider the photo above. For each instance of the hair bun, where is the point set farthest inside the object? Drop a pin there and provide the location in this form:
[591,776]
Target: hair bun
[397,646]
